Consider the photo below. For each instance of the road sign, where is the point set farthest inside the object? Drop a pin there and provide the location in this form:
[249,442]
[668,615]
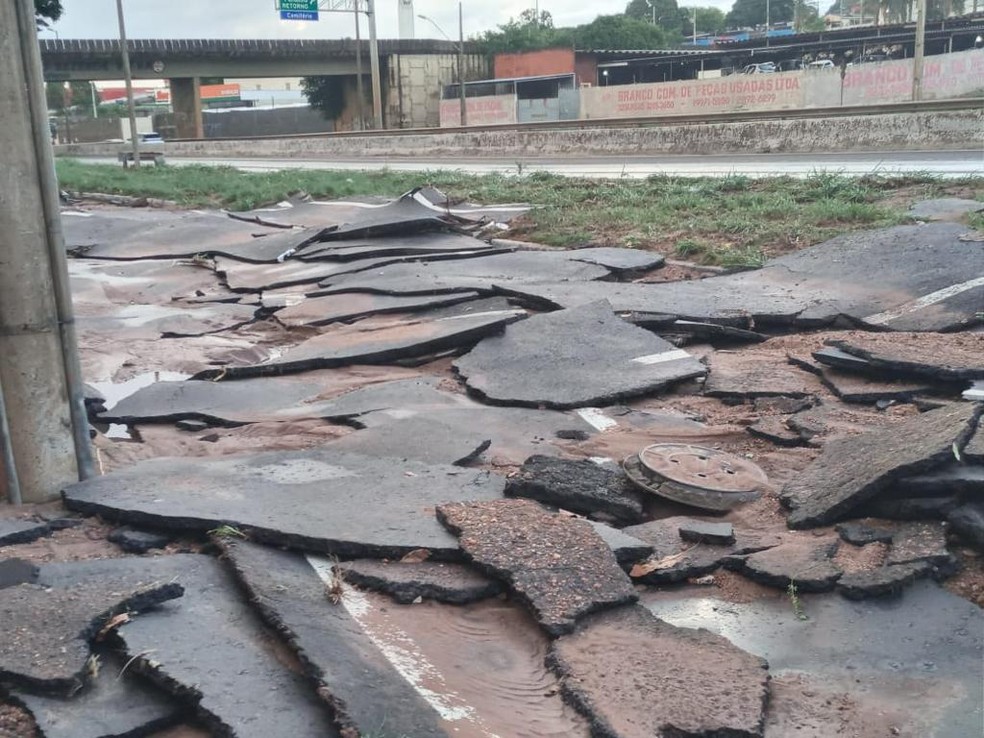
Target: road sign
[299,15]
[298,10]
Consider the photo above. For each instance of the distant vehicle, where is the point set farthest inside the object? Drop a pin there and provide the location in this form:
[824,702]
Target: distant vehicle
[822,64]
[790,65]
[150,138]
[763,68]
[873,58]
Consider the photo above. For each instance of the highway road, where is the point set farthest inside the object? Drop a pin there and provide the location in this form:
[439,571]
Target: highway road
[941,163]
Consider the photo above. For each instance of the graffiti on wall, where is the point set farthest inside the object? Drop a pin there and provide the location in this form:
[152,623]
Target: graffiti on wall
[481,111]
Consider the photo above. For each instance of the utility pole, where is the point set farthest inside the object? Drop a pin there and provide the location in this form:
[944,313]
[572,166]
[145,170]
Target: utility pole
[377,95]
[768,20]
[920,50]
[358,70]
[44,434]
[128,78]
[461,64]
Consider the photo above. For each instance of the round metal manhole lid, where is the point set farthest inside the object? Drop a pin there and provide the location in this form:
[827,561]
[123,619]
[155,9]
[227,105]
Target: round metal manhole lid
[702,468]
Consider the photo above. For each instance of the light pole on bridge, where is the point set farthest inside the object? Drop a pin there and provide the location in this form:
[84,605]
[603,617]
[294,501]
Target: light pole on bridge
[461,57]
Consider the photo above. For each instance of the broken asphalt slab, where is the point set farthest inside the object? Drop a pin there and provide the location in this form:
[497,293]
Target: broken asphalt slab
[408,582]
[48,630]
[113,704]
[414,244]
[208,648]
[22,531]
[350,672]
[899,650]
[419,439]
[316,394]
[483,274]
[138,541]
[945,208]
[579,486]
[967,521]
[586,356]
[922,285]
[623,261]
[674,559]
[383,342]
[850,471]
[352,305]
[635,676]
[318,500]
[866,389]
[17,571]
[128,234]
[951,357]
[556,564]
[732,374]
[805,564]
[926,541]
[885,581]
[159,321]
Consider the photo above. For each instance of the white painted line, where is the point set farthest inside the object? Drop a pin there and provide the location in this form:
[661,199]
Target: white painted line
[925,301]
[596,418]
[401,651]
[673,355]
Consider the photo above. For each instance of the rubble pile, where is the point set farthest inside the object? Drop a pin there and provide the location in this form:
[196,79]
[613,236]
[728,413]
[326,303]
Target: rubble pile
[369,471]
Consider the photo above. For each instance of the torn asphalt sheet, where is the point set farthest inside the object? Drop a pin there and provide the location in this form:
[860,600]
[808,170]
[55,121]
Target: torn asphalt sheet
[634,676]
[48,630]
[318,500]
[347,306]
[96,283]
[113,704]
[163,234]
[851,471]
[950,357]
[377,341]
[420,439]
[366,693]
[405,582]
[315,394]
[558,565]
[156,321]
[207,647]
[399,245]
[573,358]
[423,208]
[460,275]
[927,281]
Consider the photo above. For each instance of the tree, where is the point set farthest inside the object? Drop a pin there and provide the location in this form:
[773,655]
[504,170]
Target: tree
[80,95]
[619,32]
[47,11]
[710,20]
[55,94]
[750,13]
[664,13]
[527,33]
[326,94]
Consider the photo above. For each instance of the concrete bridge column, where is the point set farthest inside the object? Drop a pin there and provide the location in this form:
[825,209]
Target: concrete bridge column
[186,102]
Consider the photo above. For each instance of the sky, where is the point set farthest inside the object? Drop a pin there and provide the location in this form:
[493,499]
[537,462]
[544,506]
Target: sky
[258,18]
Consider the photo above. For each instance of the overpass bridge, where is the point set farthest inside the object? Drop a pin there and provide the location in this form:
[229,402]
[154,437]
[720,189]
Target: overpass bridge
[412,72]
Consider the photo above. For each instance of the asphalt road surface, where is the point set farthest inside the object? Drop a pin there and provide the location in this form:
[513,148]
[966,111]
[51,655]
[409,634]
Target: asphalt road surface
[940,163]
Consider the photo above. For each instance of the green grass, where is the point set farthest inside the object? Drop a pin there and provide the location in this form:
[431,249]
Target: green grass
[730,221]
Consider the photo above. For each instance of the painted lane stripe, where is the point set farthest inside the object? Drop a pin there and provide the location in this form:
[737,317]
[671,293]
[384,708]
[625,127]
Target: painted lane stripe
[673,355]
[925,301]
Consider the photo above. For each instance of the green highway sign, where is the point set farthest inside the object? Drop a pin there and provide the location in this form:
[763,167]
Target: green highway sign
[298,6]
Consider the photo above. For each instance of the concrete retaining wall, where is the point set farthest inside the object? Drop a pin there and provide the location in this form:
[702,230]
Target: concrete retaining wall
[944,76]
[896,131]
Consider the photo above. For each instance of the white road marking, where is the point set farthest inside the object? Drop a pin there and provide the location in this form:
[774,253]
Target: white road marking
[596,418]
[663,357]
[925,301]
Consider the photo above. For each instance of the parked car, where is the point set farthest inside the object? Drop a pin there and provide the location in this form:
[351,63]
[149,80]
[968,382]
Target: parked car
[763,68]
[822,64]
[150,138]
[790,65]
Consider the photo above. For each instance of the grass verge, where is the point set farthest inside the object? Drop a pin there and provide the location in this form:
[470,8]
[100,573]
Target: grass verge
[730,221]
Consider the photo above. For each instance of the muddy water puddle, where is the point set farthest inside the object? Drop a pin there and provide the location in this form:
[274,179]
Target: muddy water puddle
[480,666]
[116,391]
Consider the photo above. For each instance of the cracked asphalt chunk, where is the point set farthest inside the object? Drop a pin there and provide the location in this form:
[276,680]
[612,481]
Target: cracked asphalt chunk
[586,356]
[318,500]
[559,566]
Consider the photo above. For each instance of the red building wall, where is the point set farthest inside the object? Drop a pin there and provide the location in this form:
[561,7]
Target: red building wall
[534,63]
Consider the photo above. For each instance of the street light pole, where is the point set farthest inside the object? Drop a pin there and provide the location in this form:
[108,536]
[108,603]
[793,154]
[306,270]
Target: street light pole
[920,50]
[358,70]
[128,78]
[461,64]
[377,94]
[768,19]
[461,57]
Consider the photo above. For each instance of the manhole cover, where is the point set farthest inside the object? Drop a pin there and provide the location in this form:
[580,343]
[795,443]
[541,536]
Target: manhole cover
[694,475]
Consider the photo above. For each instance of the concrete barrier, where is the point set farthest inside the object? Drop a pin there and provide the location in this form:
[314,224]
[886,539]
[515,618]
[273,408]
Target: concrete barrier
[958,129]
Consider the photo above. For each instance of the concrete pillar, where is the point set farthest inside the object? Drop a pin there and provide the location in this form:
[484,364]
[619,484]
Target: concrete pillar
[32,369]
[186,102]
